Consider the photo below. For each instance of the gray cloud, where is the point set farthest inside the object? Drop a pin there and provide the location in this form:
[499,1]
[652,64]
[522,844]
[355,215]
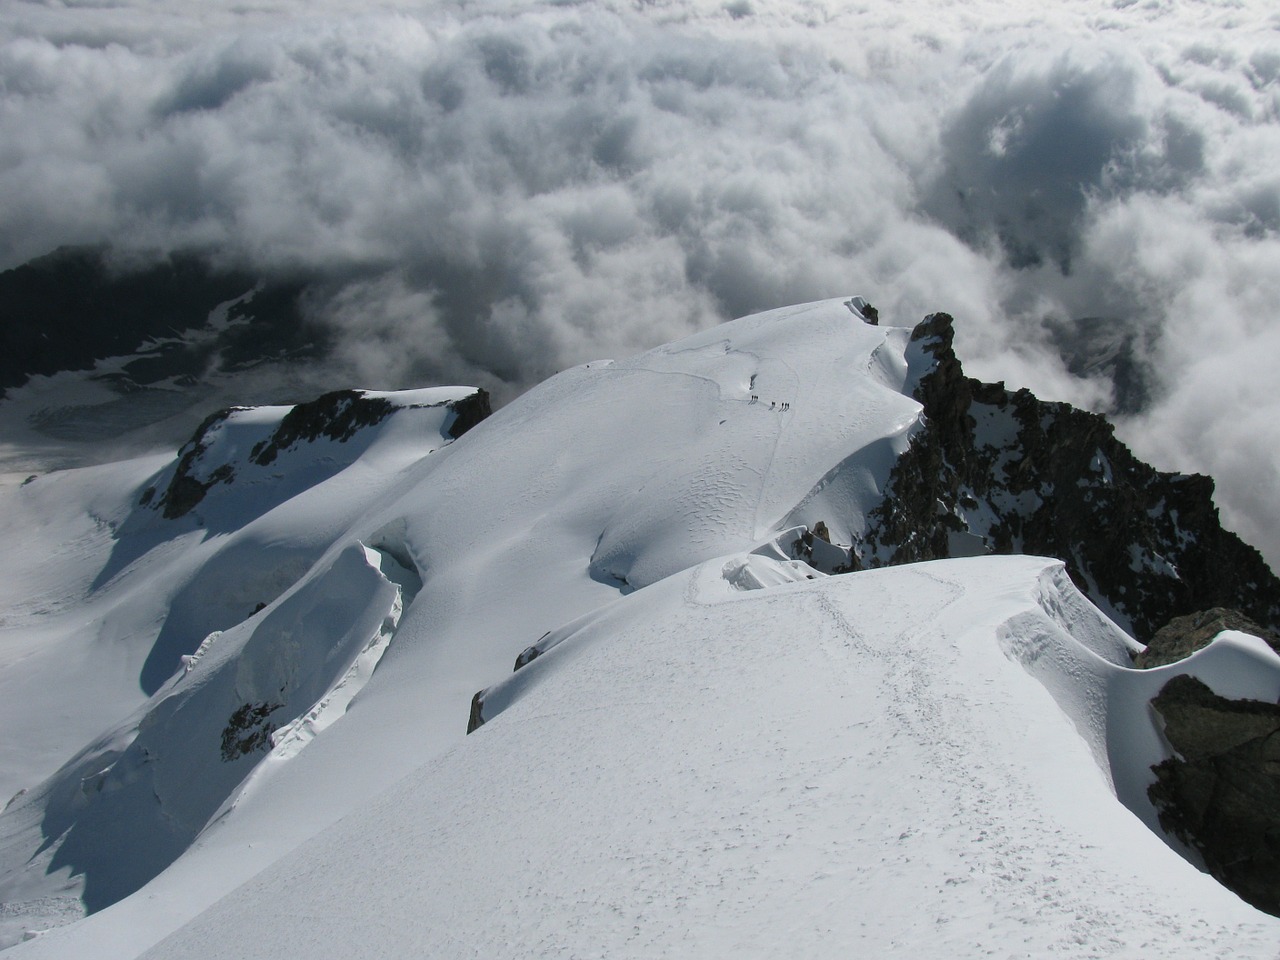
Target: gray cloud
[496,192]
[1031,143]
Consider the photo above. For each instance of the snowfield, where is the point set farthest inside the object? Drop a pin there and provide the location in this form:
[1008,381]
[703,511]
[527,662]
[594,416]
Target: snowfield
[846,765]
[718,750]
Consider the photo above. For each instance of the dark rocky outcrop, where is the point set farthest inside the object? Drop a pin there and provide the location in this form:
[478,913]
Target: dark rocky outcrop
[1183,636]
[815,548]
[476,718]
[1013,474]
[248,730]
[185,490]
[1221,794]
[338,416]
[469,411]
[534,651]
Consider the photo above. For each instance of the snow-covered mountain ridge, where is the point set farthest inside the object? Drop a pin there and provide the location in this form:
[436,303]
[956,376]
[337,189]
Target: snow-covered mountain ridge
[658,529]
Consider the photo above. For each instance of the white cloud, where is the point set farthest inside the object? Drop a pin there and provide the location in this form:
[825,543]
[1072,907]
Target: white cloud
[511,189]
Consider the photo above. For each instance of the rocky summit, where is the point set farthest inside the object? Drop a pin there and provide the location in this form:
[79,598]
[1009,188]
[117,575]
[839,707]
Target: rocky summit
[1000,471]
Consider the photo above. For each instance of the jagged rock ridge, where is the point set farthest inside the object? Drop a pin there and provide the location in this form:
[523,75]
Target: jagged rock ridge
[999,471]
[337,416]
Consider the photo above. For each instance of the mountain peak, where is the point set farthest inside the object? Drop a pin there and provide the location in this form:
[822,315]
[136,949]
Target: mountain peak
[1000,471]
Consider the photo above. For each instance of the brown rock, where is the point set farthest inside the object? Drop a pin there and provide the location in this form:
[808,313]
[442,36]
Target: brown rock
[1221,794]
[1183,636]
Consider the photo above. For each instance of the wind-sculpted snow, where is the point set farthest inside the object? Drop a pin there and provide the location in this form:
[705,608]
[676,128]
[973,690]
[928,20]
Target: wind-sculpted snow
[605,479]
[709,748]
[104,598]
[1094,682]
[848,765]
[129,804]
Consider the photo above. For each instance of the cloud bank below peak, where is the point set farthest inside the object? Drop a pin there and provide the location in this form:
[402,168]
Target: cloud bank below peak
[493,193]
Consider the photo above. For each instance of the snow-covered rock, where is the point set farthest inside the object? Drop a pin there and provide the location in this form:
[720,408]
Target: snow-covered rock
[103,597]
[997,471]
[710,747]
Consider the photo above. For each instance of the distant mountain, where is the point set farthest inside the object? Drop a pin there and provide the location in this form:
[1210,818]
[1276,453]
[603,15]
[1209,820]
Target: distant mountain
[77,305]
[102,357]
[773,694]
[1109,349]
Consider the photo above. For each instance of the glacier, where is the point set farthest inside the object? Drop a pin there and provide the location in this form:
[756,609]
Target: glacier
[718,749]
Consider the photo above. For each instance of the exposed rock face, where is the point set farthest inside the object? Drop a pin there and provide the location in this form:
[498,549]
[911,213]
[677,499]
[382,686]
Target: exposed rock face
[1183,636]
[248,731]
[186,490]
[999,471]
[337,416]
[469,411]
[1221,795]
[476,718]
[815,548]
[334,416]
[534,651]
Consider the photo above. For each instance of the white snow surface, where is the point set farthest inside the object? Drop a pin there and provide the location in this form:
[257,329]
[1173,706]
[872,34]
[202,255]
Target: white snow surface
[95,592]
[846,766]
[719,752]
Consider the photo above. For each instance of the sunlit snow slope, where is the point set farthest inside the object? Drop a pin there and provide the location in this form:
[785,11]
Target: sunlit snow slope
[720,750]
[854,766]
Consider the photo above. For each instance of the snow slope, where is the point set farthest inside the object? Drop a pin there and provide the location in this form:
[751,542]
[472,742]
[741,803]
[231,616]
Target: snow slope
[718,751]
[851,765]
[101,597]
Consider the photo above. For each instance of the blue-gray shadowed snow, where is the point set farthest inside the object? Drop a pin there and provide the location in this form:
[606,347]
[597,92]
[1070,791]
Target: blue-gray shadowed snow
[717,742]
[209,727]
[121,811]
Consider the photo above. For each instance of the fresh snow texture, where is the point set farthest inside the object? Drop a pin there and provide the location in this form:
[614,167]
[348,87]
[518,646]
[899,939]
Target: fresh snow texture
[717,751]
[848,766]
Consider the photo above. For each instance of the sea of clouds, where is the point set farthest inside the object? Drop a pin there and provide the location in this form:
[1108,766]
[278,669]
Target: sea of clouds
[491,192]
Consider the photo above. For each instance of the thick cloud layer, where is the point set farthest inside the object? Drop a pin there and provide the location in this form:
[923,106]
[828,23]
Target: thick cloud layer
[494,193]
